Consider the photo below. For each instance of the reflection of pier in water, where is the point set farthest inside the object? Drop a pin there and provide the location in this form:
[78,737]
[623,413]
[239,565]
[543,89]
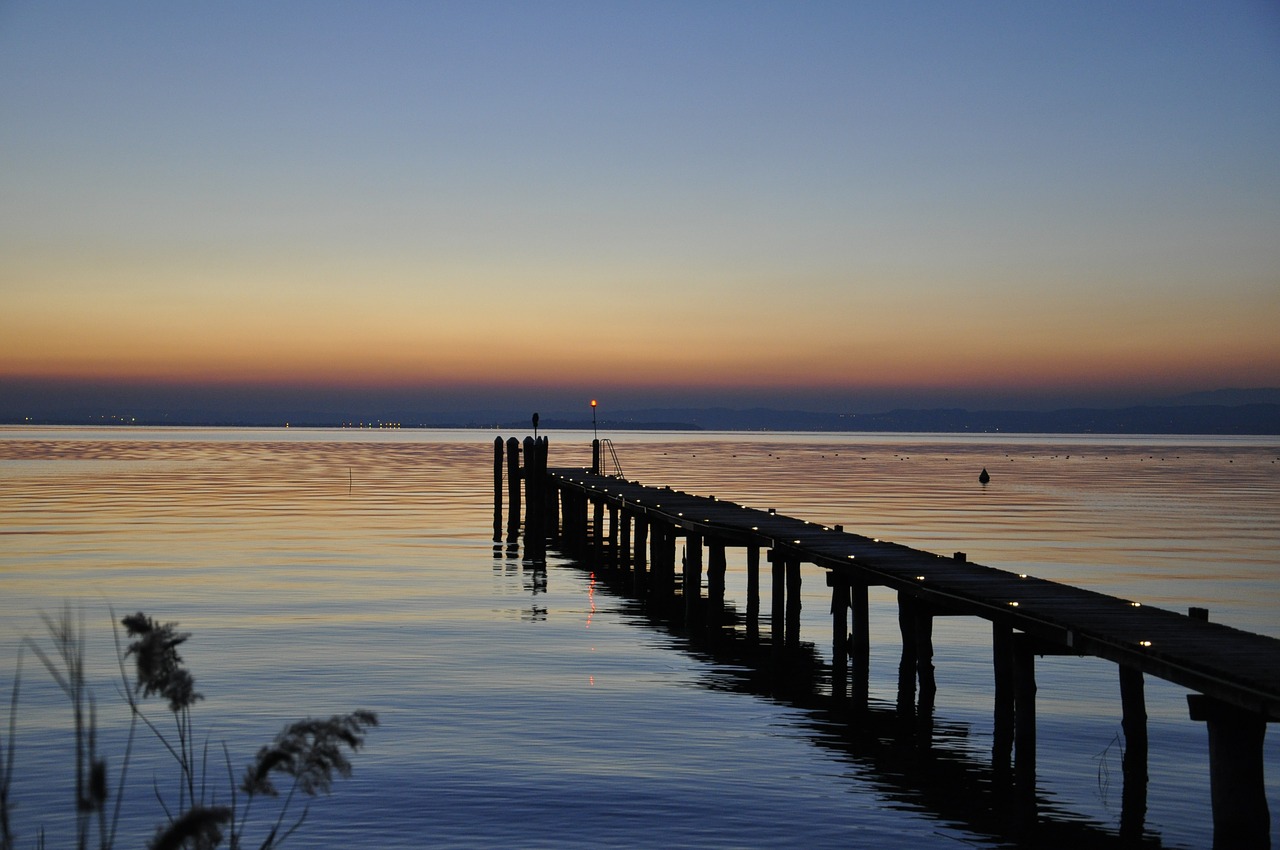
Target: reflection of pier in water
[914,760]
[1235,674]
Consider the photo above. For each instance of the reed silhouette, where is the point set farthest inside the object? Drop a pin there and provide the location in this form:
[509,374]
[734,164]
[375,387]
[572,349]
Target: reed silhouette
[304,756]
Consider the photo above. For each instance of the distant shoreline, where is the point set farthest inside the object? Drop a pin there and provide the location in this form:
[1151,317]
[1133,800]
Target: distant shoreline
[1261,419]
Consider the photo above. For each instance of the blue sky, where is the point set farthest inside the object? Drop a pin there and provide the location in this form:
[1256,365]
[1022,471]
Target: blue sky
[831,205]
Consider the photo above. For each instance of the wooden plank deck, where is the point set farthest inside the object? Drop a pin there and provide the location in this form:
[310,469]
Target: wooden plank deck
[1236,667]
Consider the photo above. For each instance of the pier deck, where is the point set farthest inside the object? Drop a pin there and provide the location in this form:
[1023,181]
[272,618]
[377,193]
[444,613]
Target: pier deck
[1233,666]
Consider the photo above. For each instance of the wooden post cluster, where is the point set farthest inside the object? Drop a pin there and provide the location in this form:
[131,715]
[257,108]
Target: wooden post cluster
[536,497]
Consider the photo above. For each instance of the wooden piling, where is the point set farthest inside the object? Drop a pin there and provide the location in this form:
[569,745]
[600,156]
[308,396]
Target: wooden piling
[1237,787]
[859,644]
[624,541]
[1024,733]
[691,584]
[1002,737]
[907,662]
[777,623]
[753,592]
[513,490]
[614,558]
[839,628]
[1133,800]
[717,566]
[497,489]
[597,528]
[793,602]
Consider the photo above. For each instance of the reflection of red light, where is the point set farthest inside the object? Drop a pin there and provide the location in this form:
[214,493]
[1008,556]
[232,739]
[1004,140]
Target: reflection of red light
[591,597]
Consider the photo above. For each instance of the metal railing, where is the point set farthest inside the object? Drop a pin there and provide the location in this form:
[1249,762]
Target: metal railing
[609,459]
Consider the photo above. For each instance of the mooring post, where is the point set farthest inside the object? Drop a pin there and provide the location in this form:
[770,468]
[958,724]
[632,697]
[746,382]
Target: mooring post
[1237,786]
[497,489]
[753,592]
[793,601]
[534,538]
[513,490]
[595,457]
[550,515]
[692,579]
[1133,799]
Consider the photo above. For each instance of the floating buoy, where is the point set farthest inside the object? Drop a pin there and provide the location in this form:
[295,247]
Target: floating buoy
[983,477]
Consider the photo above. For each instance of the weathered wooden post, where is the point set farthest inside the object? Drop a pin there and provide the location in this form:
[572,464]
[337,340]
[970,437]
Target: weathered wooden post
[1237,787]
[753,593]
[595,457]
[513,490]
[1133,799]
[497,489]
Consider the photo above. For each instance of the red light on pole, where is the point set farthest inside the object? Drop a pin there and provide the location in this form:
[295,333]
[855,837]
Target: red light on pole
[594,433]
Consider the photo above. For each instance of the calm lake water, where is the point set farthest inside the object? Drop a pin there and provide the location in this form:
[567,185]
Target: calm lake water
[325,571]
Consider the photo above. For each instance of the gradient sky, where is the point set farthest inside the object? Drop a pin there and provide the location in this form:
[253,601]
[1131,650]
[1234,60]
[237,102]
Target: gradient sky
[822,205]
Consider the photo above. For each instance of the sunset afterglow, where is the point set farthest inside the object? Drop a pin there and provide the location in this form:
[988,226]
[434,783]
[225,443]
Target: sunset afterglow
[829,205]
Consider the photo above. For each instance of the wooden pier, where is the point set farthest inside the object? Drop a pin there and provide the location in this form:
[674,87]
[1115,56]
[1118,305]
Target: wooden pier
[1234,675]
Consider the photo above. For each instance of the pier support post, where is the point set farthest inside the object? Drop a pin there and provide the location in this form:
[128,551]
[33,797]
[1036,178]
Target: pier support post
[597,529]
[1241,820]
[778,615]
[640,564]
[860,643]
[793,602]
[1133,801]
[624,541]
[691,581]
[1024,733]
[1002,737]
[717,565]
[839,633]
[614,558]
[907,663]
[753,593]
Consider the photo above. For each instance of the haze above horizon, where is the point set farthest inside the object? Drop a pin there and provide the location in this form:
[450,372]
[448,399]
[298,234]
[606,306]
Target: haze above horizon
[819,206]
